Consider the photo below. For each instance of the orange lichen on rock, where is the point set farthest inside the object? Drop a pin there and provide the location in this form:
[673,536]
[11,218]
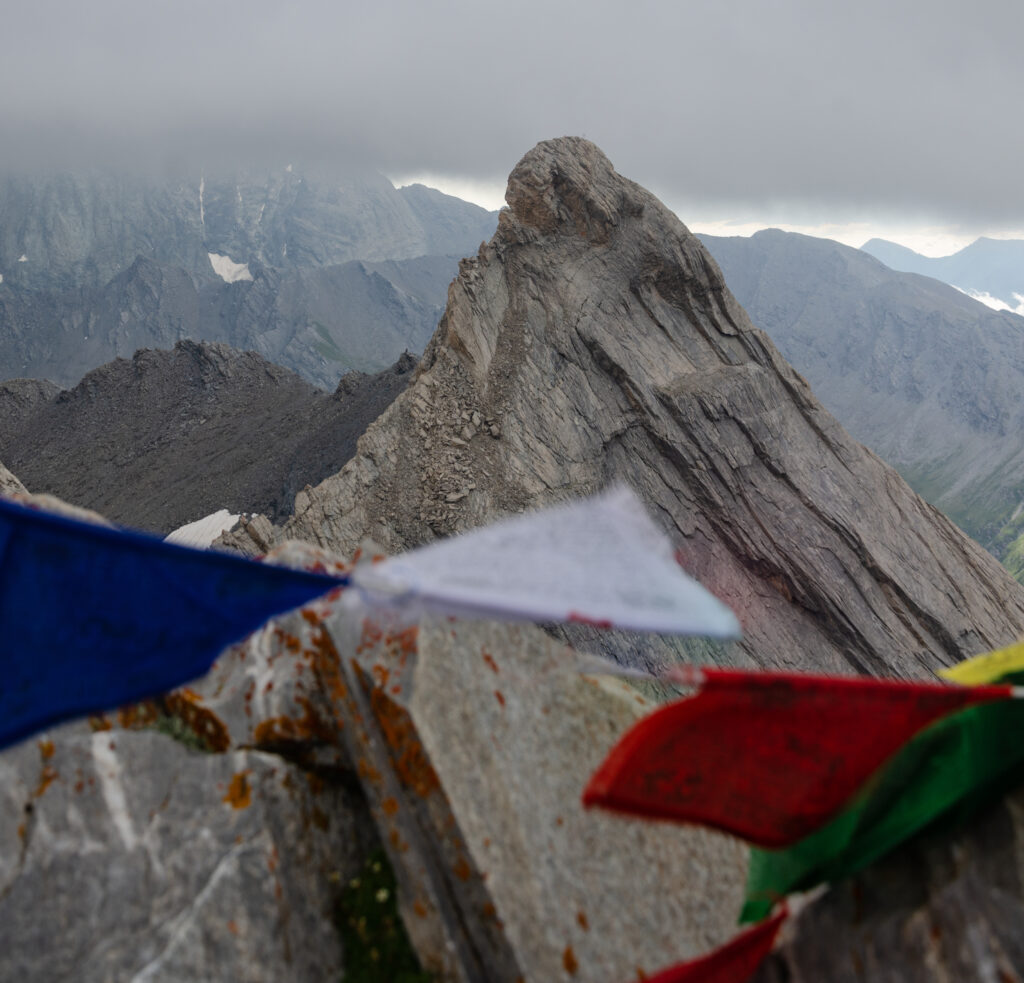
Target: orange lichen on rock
[581,920]
[326,663]
[389,805]
[46,777]
[569,961]
[137,716]
[403,643]
[315,782]
[239,794]
[98,723]
[397,842]
[408,757]
[462,870]
[367,771]
[285,730]
[287,641]
[202,721]
[372,633]
[489,659]
[46,750]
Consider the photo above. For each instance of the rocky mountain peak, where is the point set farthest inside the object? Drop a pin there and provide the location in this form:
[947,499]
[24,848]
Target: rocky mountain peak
[569,186]
[593,339]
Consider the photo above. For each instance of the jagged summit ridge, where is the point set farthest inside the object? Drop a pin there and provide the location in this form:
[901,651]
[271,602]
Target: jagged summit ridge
[594,338]
[167,437]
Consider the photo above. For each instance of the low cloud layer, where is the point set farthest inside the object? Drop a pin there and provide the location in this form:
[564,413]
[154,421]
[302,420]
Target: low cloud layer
[793,106]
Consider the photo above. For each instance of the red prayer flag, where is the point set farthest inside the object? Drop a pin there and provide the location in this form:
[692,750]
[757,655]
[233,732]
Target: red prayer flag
[768,756]
[734,962]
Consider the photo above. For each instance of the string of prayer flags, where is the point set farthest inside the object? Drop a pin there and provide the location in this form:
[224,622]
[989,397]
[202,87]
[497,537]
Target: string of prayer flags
[941,777]
[769,757]
[93,617]
[734,962]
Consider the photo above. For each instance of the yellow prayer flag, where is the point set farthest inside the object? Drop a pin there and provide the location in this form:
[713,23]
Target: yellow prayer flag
[988,668]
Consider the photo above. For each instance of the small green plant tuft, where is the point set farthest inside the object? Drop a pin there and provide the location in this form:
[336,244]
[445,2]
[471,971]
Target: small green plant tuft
[175,728]
[373,937]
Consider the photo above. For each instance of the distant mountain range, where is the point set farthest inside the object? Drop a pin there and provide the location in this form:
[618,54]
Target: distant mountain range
[931,380]
[321,274]
[990,270]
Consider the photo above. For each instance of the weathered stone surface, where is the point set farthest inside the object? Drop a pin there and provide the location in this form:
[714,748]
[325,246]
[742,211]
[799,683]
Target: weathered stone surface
[474,742]
[927,377]
[944,907]
[599,338]
[608,894]
[127,856]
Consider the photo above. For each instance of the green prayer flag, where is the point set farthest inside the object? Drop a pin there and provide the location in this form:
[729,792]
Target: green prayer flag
[941,777]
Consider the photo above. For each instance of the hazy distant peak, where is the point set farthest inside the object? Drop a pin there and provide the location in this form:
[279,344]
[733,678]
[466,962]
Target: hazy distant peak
[991,270]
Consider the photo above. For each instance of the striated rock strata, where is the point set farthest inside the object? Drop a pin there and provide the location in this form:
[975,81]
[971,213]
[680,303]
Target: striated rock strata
[927,377]
[594,338]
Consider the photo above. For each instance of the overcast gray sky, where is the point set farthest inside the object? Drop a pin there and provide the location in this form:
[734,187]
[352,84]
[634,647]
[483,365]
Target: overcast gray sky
[798,111]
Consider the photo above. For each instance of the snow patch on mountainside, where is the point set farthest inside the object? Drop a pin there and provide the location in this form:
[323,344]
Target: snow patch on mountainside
[203,532]
[994,302]
[228,270]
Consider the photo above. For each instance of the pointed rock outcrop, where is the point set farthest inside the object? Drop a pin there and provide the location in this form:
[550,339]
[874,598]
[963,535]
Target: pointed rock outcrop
[595,339]
[9,483]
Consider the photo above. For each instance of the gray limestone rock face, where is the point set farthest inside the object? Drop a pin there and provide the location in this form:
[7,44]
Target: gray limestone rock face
[927,377]
[580,894]
[595,339]
[127,856]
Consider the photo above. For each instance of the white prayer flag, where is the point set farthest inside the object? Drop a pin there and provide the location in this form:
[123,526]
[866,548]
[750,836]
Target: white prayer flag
[599,561]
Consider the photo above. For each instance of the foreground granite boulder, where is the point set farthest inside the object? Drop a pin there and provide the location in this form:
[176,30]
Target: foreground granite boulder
[129,856]
[474,741]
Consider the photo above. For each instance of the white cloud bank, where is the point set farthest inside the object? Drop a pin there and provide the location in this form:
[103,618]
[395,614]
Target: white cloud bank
[994,302]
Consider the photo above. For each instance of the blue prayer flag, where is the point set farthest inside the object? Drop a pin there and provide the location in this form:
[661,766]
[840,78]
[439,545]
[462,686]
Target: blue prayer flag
[92,617]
